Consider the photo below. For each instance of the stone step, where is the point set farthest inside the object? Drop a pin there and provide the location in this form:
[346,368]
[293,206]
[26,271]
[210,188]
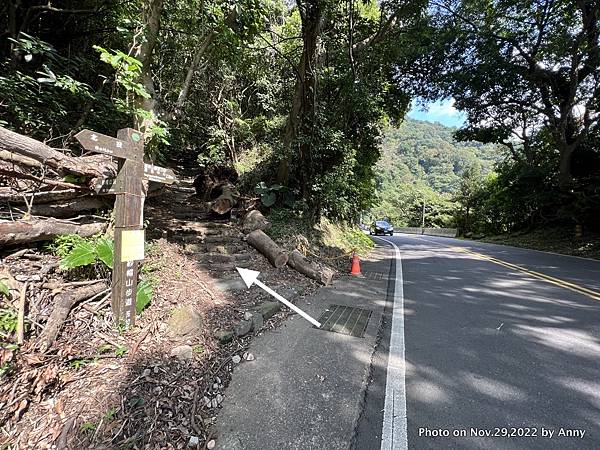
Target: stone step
[220,239]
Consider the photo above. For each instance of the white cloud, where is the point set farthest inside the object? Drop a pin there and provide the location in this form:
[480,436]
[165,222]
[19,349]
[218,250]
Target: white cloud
[442,111]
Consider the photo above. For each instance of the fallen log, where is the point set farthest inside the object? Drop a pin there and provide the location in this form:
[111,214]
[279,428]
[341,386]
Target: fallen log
[18,159]
[11,171]
[264,244]
[254,220]
[298,262]
[63,303]
[209,180]
[226,200]
[30,148]
[11,195]
[66,209]
[21,231]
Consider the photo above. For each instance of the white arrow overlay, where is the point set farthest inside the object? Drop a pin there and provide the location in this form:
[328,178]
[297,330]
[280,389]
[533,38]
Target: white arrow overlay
[250,277]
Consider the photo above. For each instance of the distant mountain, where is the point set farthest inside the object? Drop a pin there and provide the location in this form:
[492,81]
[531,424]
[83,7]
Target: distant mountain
[427,152]
[422,163]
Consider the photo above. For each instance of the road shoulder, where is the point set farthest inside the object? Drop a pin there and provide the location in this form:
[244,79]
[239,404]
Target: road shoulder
[306,387]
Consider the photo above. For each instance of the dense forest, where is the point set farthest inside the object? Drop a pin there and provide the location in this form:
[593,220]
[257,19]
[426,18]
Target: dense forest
[293,95]
[290,96]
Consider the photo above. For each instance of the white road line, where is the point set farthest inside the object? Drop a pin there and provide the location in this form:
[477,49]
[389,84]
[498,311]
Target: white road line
[395,429]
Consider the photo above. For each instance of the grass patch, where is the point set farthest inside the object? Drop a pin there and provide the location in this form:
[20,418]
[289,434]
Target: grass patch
[326,238]
[346,237]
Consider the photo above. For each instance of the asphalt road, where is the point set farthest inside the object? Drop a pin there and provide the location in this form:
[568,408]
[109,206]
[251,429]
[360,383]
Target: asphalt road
[500,349]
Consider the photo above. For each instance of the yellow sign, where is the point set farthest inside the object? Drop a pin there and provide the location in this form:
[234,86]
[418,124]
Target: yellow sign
[132,245]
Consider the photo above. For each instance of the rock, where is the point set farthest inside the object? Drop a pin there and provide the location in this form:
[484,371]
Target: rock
[194,441]
[248,315]
[218,380]
[194,248]
[146,373]
[242,328]
[219,399]
[218,249]
[34,277]
[211,444]
[268,309]
[215,386]
[214,403]
[206,401]
[183,352]
[224,336]
[257,321]
[231,284]
[249,357]
[185,321]
[236,359]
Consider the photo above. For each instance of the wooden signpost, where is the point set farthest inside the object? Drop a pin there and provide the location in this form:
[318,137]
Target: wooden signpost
[128,187]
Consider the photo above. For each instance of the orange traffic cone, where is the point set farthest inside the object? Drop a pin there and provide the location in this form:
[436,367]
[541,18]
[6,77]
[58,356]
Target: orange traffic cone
[355,270]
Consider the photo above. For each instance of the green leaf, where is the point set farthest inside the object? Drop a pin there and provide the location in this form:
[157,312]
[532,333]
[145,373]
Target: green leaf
[73,179]
[198,348]
[143,296]
[105,348]
[120,350]
[4,289]
[268,199]
[105,251]
[83,254]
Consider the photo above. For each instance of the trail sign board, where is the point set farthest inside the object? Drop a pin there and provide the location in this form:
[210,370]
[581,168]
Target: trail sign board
[159,174]
[100,143]
[128,188]
[110,185]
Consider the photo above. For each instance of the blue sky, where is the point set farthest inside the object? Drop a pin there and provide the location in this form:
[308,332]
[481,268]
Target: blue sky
[442,111]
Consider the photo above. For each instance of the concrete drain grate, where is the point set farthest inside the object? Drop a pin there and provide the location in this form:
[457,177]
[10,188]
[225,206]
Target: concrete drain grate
[345,320]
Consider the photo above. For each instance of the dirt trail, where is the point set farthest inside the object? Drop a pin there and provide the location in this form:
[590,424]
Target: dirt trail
[162,383]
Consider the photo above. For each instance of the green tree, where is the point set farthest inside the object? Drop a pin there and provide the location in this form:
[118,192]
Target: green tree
[518,67]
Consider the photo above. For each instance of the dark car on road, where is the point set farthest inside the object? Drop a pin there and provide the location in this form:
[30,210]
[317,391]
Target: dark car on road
[381,227]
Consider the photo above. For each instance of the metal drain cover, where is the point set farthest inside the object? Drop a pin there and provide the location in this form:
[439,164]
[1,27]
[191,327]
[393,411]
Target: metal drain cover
[345,320]
[376,276]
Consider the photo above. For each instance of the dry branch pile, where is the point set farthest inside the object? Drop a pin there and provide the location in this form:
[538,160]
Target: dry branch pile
[38,182]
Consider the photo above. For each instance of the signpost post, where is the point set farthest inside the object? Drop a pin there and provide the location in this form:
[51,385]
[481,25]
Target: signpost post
[128,187]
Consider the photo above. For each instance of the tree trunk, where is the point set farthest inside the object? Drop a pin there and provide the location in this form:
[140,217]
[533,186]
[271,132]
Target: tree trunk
[227,200]
[19,159]
[185,89]
[62,306]
[10,195]
[97,166]
[264,244]
[67,209]
[22,231]
[210,37]
[16,172]
[298,262]
[301,120]
[565,179]
[143,52]
[254,220]
[310,34]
